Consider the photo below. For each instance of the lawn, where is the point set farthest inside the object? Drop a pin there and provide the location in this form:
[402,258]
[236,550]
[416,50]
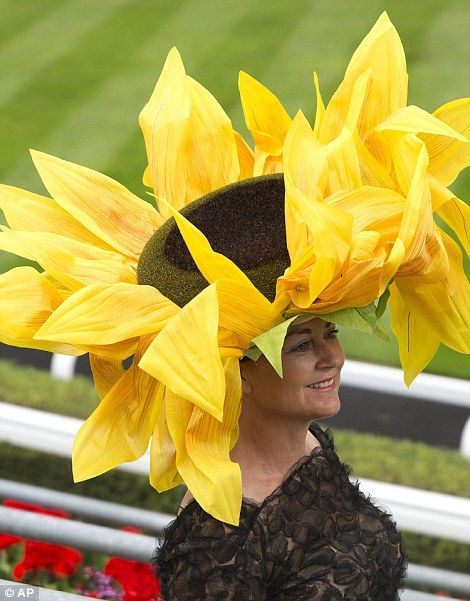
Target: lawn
[75,74]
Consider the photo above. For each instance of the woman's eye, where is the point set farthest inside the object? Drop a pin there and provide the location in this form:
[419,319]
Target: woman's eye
[332,334]
[303,346]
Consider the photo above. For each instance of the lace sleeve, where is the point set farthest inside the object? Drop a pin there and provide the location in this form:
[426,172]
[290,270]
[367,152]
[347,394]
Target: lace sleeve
[209,560]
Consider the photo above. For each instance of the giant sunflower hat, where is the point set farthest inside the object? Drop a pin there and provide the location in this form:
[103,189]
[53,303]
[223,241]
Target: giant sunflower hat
[334,219]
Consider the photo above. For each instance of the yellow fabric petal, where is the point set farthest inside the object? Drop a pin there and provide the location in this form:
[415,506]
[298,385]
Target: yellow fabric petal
[372,208]
[411,163]
[306,169]
[417,344]
[104,315]
[443,304]
[210,150]
[344,172]
[382,54]
[245,157]
[164,121]
[120,427]
[457,216]
[106,372]
[244,311]
[102,205]
[373,173]
[208,445]
[27,299]
[119,351]
[448,156]
[267,121]
[190,142]
[31,212]
[320,106]
[211,264]
[414,120]
[361,275]
[185,354]
[74,264]
[163,471]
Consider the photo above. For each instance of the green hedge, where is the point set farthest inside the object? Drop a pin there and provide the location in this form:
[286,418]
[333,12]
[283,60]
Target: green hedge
[376,457]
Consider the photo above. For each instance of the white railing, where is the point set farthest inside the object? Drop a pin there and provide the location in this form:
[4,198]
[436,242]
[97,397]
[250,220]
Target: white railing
[424,512]
[141,547]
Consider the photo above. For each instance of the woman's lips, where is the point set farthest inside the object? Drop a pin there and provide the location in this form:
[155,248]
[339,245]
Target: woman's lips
[323,385]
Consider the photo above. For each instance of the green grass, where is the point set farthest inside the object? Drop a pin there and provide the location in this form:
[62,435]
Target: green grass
[76,73]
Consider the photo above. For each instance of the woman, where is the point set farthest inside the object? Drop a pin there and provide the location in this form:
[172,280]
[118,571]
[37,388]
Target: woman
[214,300]
[306,532]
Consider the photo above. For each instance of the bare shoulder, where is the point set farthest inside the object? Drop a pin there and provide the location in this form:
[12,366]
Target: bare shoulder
[185,500]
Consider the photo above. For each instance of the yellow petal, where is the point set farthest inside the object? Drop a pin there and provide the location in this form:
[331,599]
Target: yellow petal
[414,120]
[308,219]
[382,54]
[244,311]
[31,212]
[305,159]
[306,170]
[27,299]
[185,355]
[417,344]
[245,157]
[457,215]
[164,121]
[442,304]
[163,471]
[447,156]
[208,444]
[102,205]
[320,106]
[361,277]
[74,264]
[373,173]
[190,142]
[344,172]
[119,351]
[106,372]
[411,162]
[210,150]
[212,265]
[372,208]
[120,427]
[104,315]
[266,119]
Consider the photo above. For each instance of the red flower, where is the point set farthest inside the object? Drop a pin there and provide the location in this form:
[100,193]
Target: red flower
[136,578]
[8,539]
[58,560]
[58,513]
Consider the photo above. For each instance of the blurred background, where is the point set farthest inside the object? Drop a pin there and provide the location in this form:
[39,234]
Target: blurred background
[74,75]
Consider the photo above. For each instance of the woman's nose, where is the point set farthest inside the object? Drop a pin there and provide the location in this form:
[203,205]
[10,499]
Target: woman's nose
[331,354]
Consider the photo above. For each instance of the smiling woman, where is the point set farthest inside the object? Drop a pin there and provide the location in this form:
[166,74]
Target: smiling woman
[223,300]
[305,531]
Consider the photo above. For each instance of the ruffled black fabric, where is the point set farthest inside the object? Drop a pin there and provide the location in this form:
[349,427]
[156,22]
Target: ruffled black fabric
[316,537]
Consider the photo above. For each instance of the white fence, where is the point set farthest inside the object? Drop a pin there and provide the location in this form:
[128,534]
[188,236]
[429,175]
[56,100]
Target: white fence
[424,512]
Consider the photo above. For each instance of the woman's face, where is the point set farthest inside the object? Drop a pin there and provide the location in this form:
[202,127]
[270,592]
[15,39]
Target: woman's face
[312,358]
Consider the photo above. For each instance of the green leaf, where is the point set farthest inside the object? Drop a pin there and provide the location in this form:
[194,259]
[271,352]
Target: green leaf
[382,303]
[363,319]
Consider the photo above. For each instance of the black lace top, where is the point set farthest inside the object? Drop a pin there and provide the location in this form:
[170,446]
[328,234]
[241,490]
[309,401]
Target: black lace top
[316,537]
